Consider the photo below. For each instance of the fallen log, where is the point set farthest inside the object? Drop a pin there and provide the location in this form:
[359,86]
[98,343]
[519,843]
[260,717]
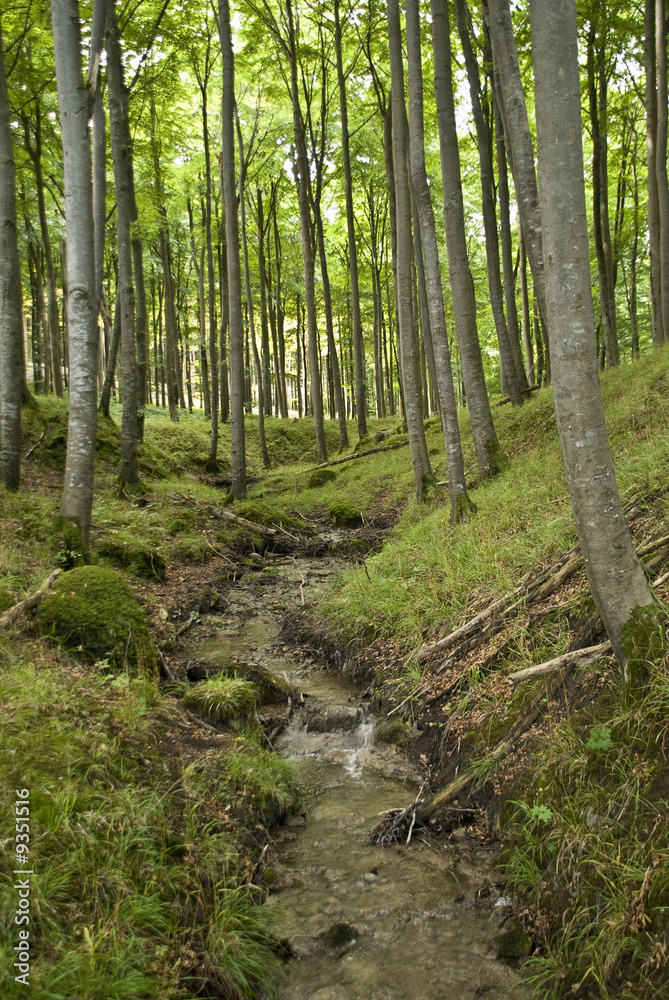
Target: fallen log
[579,657]
[224,514]
[30,603]
[359,454]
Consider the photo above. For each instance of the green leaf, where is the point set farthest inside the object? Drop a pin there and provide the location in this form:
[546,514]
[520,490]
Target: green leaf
[599,739]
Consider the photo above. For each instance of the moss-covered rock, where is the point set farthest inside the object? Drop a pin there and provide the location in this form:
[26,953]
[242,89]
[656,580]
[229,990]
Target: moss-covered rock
[364,443]
[514,943]
[319,477]
[351,547]
[6,599]
[391,731]
[271,515]
[139,560]
[95,614]
[345,515]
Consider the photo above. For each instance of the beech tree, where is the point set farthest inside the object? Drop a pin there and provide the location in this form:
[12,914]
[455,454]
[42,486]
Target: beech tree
[617,580]
[11,312]
[74,101]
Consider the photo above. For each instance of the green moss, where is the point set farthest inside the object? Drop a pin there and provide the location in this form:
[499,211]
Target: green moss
[237,540]
[319,477]
[498,460]
[345,515]
[270,514]
[178,527]
[464,509]
[71,548]
[266,780]
[514,943]
[139,560]
[392,731]
[95,614]
[364,443]
[644,644]
[351,547]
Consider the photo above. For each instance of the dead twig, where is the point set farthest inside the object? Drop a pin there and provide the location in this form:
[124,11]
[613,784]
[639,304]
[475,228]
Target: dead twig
[30,603]
[577,657]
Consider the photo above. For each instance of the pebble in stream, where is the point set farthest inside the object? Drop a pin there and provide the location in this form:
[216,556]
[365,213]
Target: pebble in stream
[366,923]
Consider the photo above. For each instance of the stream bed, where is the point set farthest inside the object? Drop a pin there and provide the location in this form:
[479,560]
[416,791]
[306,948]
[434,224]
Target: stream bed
[363,922]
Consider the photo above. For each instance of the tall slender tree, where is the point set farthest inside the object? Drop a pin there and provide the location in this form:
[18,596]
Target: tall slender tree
[236,325]
[617,580]
[11,310]
[75,106]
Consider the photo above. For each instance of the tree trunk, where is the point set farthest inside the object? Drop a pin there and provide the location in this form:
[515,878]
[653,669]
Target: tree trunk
[661,156]
[600,195]
[11,309]
[617,581]
[488,452]
[651,156]
[515,377]
[512,103]
[83,335]
[120,156]
[316,392]
[409,349]
[358,345]
[236,325]
[461,505]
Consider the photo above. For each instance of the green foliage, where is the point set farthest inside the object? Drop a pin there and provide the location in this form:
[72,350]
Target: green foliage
[94,613]
[266,780]
[6,599]
[599,739]
[270,514]
[223,698]
[136,558]
[131,850]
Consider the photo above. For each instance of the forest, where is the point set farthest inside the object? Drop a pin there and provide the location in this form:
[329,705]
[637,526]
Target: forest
[333,423]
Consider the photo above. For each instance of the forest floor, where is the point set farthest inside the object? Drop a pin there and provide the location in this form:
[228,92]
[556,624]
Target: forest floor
[126,780]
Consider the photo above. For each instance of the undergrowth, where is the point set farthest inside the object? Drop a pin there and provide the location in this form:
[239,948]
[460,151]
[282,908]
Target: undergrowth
[140,877]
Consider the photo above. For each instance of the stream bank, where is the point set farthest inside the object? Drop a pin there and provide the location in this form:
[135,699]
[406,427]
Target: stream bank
[359,922]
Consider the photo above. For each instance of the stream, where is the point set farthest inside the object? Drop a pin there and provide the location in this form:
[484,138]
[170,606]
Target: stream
[363,922]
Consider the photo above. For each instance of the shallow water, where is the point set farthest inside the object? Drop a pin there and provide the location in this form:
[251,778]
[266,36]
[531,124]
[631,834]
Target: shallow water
[365,923]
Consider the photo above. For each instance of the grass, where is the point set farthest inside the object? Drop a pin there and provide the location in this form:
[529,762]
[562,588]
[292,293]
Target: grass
[140,886]
[223,698]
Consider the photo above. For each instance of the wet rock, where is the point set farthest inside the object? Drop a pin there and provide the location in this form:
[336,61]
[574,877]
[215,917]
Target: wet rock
[329,993]
[341,934]
[391,731]
[514,943]
[324,718]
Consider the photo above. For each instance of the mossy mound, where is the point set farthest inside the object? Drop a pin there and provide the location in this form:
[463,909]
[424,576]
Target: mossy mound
[364,443]
[319,477]
[271,515]
[223,698]
[139,560]
[351,547]
[94,613]
[345,515]
[6,599]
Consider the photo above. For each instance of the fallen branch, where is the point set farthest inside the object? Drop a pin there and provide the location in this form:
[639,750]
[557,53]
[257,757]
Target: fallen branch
[359,454]
[223,514]
[579,657]
[29,603]
[36,445]
[164,668]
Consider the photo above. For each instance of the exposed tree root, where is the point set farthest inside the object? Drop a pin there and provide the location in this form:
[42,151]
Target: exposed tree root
[30,603]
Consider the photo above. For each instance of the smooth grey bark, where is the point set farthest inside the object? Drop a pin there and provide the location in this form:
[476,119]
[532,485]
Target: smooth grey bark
[489,455]
[120,154]
[264,319]
[11,308]
[617,580]
[358,344]
[236,324]
[661,155]
[651,153]
[461,505]
[74,104]
[94,84]
[514,376]
[518,137]
[409,348]
[525,307]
